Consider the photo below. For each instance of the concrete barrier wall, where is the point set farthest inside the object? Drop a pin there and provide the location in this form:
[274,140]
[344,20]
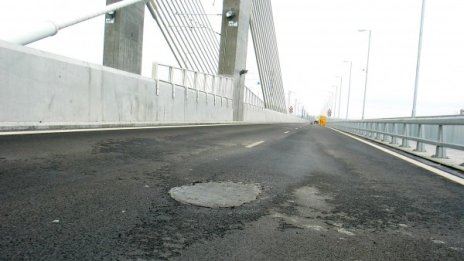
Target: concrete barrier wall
[43,90]
[257,114]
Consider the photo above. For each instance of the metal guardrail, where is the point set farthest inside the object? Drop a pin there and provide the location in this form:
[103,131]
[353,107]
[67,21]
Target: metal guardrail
[216,85]
[442,132]
[252,99]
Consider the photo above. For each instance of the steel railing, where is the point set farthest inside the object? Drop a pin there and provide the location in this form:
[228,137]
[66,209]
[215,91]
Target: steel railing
[252,99]
[217,85]
[442,132]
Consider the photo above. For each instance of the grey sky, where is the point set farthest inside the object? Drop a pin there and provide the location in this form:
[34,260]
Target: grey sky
[315,37]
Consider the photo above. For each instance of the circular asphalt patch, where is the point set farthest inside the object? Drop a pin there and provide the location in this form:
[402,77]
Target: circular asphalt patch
[216,194]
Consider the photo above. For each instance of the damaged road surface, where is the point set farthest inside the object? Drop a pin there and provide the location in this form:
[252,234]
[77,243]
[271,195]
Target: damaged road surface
[272,192]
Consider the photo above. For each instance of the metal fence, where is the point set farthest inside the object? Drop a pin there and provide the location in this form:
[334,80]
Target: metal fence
[216,85]
[252,99]
[442,132]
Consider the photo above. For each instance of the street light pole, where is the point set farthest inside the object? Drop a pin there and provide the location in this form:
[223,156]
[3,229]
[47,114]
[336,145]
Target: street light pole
[289,94]
[330,104]
[349,89]
[367,68]
[419,51]
[340,95]
[335,100]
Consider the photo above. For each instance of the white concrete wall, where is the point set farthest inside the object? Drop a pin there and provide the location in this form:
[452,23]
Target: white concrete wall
[257,114]
[42,90]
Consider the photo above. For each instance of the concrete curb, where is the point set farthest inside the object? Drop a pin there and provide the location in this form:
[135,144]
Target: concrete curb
[88,127]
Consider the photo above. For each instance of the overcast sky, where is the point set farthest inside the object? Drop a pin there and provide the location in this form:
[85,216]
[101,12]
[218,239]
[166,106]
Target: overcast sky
[314,37]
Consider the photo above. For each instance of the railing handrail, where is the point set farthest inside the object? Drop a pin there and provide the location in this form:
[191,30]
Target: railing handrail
[218,87]
[410,129]
[258,101]
[189,70]
[413,138]
[445,120]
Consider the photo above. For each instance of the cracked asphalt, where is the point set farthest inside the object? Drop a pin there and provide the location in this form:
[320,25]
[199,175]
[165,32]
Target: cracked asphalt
[325,196]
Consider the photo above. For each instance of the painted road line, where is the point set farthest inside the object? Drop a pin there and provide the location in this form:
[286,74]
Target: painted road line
[286,132]
[296,128]
[410,160]
[254,144]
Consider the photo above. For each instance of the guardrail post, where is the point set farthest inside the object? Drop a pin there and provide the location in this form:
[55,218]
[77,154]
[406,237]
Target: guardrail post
[440,151]
[155,76]
[205,77]
[371,130]
[385,131]
[220,87]
[419,145]
[228,84]
[195,83]
[171,80]
[394,132]
[205,82]
[405,142]
[226,88]
[184,82]
[213,83]
[231,89]
[377,127]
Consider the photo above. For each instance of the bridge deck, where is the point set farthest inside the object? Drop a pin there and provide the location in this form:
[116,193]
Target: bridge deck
[325,196]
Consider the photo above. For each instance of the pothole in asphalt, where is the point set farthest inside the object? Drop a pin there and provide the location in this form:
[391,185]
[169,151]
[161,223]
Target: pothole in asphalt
[216,194]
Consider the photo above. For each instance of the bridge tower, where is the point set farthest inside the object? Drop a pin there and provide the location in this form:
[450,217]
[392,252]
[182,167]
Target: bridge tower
[124,38]
[233,47]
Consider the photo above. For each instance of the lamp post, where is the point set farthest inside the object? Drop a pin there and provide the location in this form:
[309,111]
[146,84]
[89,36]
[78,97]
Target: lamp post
[419,51]
[367,68]
[340,96]
[335,99]
[289,95]
[330,105]
[349,89]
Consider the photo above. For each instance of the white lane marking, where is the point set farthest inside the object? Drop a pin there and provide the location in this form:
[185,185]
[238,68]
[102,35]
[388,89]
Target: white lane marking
[6,133]
[254,144]
[286,132]
[346,232]
[412,161]
[296,128]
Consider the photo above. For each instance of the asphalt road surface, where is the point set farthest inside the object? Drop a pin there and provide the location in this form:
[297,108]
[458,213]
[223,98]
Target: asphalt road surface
[326,196]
